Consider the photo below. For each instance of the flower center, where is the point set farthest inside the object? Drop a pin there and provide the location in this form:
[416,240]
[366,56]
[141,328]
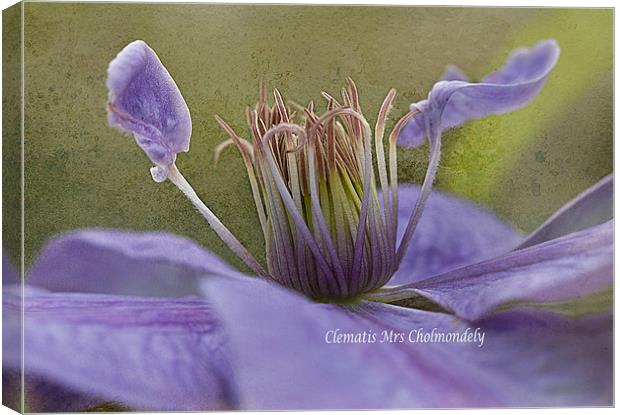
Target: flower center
[328,231]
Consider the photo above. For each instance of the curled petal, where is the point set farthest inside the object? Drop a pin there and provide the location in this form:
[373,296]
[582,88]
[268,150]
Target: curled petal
[564,269]
[144,101]
[512,87]
[153,264]
[454,73]
[163,354]
[592,207]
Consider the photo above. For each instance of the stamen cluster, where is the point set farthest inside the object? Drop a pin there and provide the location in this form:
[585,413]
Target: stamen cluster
[327,233]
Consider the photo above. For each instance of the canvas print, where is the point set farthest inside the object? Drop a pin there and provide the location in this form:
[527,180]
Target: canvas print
[284,207]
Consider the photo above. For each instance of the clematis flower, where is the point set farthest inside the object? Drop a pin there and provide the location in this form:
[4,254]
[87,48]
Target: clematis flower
[371,289]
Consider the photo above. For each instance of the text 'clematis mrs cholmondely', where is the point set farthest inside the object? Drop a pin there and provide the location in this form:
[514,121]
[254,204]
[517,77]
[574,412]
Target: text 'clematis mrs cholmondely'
[371,294]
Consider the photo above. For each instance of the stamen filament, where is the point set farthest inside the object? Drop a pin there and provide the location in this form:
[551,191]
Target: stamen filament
[379,132]
[434,140]
[319,219]
[359,242]
[222,231]
[282,233]
[393,161]
[286,197]
[366,168]
[246,154]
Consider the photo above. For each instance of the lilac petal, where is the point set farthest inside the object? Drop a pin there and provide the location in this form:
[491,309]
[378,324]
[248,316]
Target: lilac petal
[11,339]
[145,101]
[563,269]
[143,353]
[510,88]
[592,207]
[454,73]
[9,273]
[40,395]
[282,360]
[126,263]
[412,134]
[452,233]
[528,358]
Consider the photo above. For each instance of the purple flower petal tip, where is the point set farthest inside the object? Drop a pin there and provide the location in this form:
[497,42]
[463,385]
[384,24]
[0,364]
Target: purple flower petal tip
[144,101]
[454,73]
[454,101]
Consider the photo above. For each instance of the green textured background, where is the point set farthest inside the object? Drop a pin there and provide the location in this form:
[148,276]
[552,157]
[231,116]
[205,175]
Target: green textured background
[80,173]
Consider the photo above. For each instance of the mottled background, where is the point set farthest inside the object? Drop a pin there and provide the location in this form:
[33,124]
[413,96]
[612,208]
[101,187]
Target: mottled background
[80,173]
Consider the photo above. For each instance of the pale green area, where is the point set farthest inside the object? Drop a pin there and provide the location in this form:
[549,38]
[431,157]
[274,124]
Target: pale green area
[527,164]
[80,173]
[596,303]
[11,139]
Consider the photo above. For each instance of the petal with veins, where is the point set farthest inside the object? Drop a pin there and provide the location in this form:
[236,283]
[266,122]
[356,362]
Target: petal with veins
[153,264]
[159,354]
[452,233]
[145,101]
[563,269]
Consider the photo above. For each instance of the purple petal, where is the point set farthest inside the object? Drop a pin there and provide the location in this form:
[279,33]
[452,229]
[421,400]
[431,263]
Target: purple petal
[563,269]
[528,358]
[512,87]
[11,339]
[412,134]
[144,353]
[592,207]
[282,361]
[454,73]
[9,273]
[451,234]
[126,263]
[145,101]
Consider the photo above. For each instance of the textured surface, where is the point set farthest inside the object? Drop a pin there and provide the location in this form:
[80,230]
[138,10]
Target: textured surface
[11,137]
[11,183]
[81,173]
[148,353]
